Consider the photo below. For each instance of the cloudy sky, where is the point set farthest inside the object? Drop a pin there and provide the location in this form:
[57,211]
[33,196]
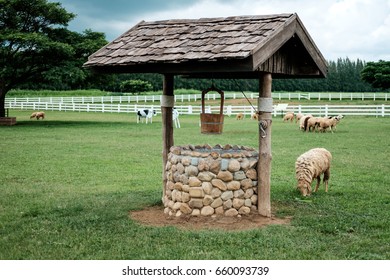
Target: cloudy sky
[340,28]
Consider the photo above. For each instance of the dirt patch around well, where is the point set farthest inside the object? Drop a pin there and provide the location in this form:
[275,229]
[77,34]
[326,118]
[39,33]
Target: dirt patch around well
[154,216]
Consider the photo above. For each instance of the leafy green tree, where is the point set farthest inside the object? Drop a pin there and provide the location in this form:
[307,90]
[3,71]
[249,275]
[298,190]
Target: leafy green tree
[30,41]
[136,86]
[377,74]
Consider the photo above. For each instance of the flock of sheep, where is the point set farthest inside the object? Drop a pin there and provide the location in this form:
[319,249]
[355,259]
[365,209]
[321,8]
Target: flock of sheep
[310,123]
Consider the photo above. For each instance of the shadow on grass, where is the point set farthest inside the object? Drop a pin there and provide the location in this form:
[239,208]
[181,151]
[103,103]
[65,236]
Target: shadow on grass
[71,123]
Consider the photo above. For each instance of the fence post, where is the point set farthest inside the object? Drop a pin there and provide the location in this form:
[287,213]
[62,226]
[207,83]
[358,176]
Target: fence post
[383,110]
[326,110]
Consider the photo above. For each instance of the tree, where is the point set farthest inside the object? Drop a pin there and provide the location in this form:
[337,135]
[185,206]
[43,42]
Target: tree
[31,33]
[136,86]
[377,74]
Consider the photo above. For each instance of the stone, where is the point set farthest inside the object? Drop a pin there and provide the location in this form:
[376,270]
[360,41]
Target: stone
[226,155]
[194,161]
[227,147]
[239,175]
[218,183]
[175,150]
[176,206]
[231,212]
[207,187]
[254,199]
[170,185]
[251,174]
[227,195]
[194,182]
[216,192]
[186,161]
[180,168]
[217,203]
[191,170]
[184,179]
[196,203]
[246,183]
[234,165]
[195,212]
[225,176]
[245,164]
[248,193]
[219,210]
[248,202]
[224,164]
[207,211]
[228,204]
[238,203]
[207,200]
[176,195]
[178,214]
[185,197]
[215,166]
[185,208]
[196,192]
[203,166]
[185,188]
[244,210]
[239,193]
[178,186]
[233,185]
[214,154]
[206,176]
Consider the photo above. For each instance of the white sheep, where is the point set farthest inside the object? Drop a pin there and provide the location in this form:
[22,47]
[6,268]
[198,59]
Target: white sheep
[311,165]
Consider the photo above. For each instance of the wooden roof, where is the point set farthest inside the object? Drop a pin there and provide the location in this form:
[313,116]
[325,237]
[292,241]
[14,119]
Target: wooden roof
[228,47]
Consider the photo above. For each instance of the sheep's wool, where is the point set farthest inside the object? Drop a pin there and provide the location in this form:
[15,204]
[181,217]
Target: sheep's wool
[312,164]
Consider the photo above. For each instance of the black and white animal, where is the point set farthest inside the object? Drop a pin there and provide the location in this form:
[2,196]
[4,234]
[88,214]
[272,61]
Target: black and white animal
[146,114]
[175,117]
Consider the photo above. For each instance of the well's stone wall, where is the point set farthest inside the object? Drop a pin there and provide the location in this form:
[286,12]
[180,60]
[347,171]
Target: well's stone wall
[207,181]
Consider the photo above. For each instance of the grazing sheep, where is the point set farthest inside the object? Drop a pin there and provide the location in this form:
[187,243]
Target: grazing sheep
[302,121]
[330,123]
[240,116]
[289,116]
[311,123]
[38,115]
[298,117]
[311,165]
[255,116]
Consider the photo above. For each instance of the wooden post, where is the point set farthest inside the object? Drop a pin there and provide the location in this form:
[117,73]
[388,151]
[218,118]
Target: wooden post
[167,103]
[265,155]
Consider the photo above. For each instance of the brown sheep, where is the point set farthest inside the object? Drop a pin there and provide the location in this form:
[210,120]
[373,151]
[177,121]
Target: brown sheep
[311,165]
[289,116]
[240,116]
[38,115]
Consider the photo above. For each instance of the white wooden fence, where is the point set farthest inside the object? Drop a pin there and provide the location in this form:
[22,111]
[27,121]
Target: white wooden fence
[317,110]
[196,97]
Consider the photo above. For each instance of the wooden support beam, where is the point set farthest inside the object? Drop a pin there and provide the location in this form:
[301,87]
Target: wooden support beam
[167,104]
[265,153]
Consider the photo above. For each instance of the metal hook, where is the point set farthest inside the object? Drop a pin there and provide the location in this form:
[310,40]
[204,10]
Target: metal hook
[263,126]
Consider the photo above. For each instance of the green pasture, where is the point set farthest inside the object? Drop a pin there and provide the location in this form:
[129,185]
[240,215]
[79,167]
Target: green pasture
[67,184]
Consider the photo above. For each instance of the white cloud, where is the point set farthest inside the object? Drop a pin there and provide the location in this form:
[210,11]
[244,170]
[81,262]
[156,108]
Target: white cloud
[340,28]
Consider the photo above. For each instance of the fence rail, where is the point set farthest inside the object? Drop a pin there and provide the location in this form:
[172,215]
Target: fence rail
[195,97]
[317,110]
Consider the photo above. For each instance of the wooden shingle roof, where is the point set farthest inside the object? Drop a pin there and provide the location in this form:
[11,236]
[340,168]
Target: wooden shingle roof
[214,47]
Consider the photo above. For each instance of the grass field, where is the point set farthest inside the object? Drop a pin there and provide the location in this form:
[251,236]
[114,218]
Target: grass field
[68,183]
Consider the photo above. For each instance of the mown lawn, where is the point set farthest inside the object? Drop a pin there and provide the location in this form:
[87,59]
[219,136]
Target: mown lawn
[68,183]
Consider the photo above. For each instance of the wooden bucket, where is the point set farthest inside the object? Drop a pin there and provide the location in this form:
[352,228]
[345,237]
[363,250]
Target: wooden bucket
[212,123]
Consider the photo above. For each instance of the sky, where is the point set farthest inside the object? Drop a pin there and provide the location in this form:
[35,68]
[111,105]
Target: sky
[357,29]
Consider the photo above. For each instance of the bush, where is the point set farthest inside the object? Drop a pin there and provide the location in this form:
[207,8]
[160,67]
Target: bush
[136,86]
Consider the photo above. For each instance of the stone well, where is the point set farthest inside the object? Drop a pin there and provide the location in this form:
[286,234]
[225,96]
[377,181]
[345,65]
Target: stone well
[207,181]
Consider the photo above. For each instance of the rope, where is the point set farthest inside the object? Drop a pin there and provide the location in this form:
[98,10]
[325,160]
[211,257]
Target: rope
[253,107]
